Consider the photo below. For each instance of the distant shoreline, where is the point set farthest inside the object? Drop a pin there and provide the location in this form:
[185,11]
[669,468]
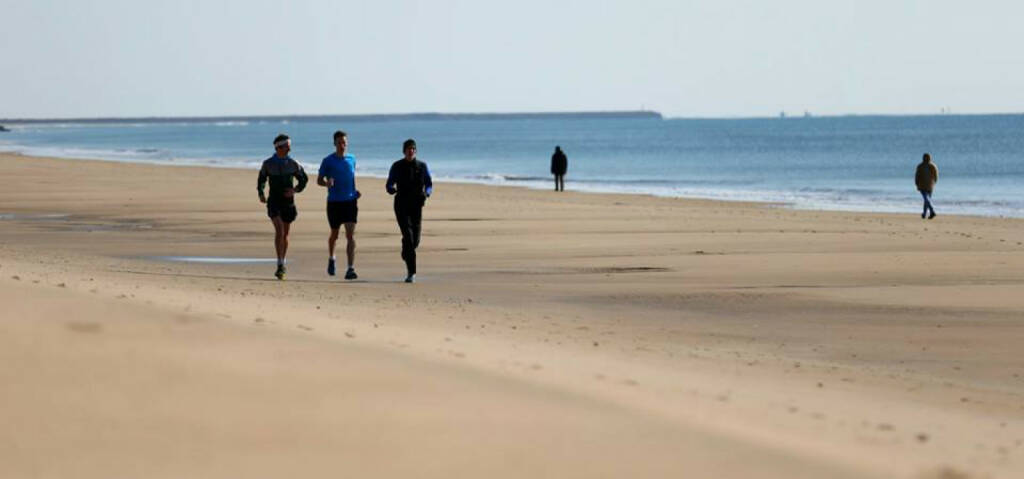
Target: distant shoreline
[624,114]
[639,114]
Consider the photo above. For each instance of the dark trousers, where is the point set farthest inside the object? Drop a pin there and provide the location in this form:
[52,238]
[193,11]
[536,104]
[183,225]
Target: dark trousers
[559,182]
[409,217]
[927,196]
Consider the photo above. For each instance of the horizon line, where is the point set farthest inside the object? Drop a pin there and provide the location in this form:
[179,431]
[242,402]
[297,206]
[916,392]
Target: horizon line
[641,113]
[353,116]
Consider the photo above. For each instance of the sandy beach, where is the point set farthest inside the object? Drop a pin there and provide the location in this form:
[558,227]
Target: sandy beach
[548,335]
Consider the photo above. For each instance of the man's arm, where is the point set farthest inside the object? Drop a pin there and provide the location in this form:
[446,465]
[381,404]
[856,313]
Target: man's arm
[390,184]
[261,181]
[321,178]
[300,175]
[428,183]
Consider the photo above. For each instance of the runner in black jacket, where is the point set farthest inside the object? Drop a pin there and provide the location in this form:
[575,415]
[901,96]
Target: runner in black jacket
[409,180]
[279,170]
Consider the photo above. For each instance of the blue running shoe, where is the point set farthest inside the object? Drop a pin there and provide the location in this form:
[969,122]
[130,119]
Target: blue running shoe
[330,267]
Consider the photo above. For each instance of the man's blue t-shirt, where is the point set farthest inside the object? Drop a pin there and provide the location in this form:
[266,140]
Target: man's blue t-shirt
[343,170]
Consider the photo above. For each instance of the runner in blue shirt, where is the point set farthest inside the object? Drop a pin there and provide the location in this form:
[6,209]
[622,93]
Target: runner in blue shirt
[338,175]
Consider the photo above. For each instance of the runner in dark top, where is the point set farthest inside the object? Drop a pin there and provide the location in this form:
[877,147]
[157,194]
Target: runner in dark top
[279,170]
[409,180]
[338,174]
[559,165]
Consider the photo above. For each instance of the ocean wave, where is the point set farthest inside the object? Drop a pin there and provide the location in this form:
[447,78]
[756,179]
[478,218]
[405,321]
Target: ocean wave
[131,155]
[135,150]
[803,198]
[92,124]
[500,177]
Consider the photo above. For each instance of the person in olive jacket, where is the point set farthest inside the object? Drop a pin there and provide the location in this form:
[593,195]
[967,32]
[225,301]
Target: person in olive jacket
[279,170]
[409,180]
[925,178]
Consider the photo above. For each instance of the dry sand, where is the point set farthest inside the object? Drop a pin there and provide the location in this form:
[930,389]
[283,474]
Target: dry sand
[549,335]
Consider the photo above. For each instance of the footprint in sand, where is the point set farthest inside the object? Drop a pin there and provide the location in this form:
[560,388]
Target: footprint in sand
[84,327]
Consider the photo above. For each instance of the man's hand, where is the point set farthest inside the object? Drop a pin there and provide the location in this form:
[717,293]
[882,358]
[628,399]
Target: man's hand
[330,182]
[263,199]
[289,193]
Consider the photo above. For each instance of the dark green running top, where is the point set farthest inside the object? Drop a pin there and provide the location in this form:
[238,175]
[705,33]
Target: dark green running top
[280,171]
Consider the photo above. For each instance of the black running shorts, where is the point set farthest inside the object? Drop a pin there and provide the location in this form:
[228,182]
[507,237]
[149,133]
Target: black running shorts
[339,212]
[286,211]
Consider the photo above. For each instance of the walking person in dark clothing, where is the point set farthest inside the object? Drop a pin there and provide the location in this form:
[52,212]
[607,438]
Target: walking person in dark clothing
[559,165]
[279,170]
[409,180]
[926,176]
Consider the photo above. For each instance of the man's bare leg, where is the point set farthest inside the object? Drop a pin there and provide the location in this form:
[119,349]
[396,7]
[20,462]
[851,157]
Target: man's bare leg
[280,244]
[332,240]
[285,228]
[350,250]
[278,237]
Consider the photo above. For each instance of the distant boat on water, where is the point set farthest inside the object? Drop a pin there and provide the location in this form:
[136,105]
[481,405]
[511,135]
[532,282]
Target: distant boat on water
[4,128]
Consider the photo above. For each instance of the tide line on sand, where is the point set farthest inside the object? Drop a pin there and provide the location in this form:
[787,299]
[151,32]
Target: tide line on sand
[213,259]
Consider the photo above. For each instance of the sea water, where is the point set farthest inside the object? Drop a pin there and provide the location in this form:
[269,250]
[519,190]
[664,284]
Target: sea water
[858,163]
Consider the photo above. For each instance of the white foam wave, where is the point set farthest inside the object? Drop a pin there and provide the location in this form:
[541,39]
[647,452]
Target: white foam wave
[137,155]
[852,199]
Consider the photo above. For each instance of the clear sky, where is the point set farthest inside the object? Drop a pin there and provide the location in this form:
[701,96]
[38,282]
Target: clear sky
[703,58]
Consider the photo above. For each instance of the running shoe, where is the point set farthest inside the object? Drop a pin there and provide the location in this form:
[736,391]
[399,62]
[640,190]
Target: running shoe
[411,278]
[351,274]
[280,272]
[330,267]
